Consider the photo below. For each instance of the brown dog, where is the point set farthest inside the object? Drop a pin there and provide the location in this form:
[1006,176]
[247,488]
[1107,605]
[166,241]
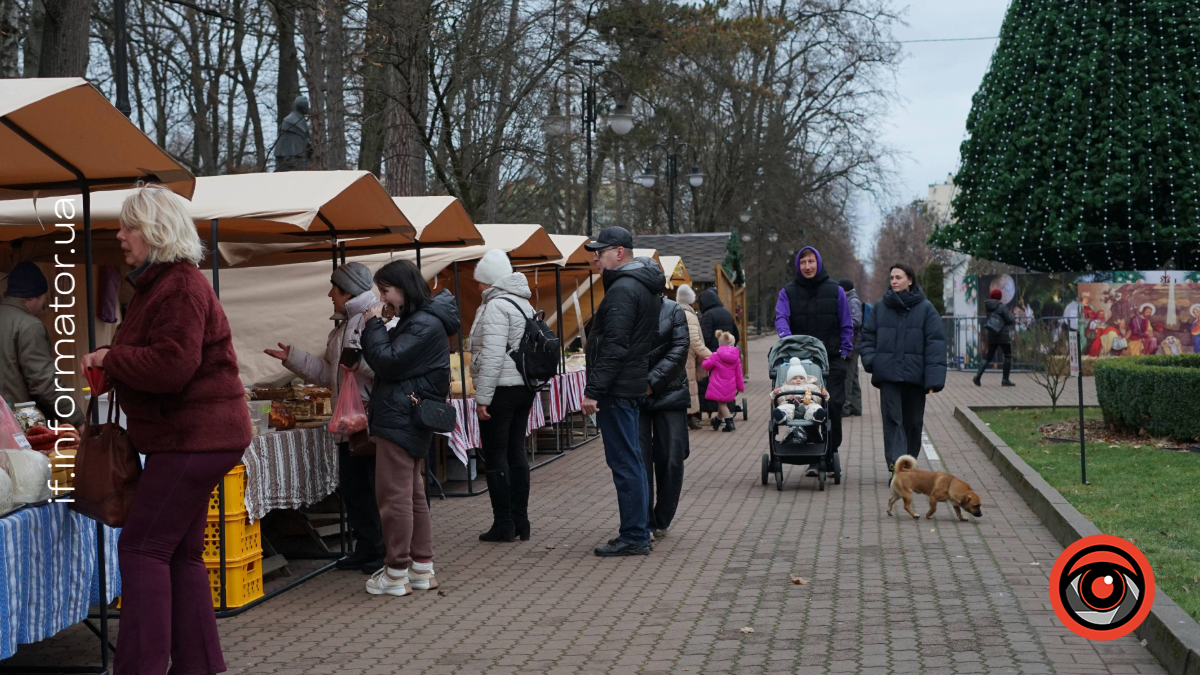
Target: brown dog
[939,486]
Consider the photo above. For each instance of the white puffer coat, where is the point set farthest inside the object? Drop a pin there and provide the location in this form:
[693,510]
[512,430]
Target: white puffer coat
[323,370]
[497,330]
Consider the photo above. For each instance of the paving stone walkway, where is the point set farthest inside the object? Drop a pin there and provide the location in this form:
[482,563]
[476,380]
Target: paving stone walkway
[885,595]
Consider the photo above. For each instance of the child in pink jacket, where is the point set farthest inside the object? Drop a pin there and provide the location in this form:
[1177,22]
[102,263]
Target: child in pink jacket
[726,380]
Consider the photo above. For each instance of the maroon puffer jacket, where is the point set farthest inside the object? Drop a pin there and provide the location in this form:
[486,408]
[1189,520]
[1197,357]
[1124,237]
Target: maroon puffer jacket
[175,369]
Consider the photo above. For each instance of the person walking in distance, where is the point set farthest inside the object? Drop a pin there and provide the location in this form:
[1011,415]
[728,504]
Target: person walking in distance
[714,317]
[853,407]
[815,305]
[350,291]
[618,361]
[663,430]
[502,397]
[999,322]
[685,296]
[904,349]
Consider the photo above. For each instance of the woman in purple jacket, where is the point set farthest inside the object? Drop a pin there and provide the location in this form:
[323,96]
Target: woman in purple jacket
[813,304]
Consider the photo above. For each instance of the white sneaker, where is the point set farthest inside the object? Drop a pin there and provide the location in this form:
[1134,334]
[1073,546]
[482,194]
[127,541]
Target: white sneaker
[421,576]
[389,582]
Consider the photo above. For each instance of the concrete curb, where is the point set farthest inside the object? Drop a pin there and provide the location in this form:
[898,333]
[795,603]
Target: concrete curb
[1170,633]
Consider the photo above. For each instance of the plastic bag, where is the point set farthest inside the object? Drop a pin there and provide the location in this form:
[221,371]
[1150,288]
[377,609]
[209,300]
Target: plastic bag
[30,472]
[349,415]
[12,436]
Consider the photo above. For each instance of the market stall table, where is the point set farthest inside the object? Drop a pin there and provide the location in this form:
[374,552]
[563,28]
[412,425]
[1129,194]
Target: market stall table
[289,469]
[48,573]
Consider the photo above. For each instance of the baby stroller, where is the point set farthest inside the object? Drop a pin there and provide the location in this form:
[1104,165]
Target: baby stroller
[807,441]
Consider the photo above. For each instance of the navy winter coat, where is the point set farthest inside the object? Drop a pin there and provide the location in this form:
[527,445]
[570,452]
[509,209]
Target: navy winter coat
[623,331]
[668,361]
[902,341]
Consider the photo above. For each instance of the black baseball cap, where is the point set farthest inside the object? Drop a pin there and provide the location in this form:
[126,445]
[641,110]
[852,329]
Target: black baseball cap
[611,236]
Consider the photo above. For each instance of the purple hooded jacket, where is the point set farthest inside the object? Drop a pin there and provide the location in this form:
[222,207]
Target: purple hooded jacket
[783,307]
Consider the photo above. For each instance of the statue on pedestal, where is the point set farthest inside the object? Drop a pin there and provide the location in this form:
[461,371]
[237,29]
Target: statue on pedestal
[294,149]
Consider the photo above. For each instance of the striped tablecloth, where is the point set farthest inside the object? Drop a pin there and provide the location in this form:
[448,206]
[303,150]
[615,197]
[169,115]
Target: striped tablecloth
[48,573]
[466,427]
[289,469]
[566,394]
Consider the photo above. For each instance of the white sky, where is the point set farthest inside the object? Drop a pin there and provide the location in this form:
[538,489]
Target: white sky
[936,82]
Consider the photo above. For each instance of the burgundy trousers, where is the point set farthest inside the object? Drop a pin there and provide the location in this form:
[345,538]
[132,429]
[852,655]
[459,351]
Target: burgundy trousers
[166,604]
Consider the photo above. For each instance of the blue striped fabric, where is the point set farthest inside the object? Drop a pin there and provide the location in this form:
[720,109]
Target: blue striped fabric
[48,573]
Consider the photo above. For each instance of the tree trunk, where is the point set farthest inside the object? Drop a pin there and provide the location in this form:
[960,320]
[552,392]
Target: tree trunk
[36,22]
[65,39]
[10,38]
[374,73]
[314,74]
[249,85]
[289,60]
[403,150]
[335,86]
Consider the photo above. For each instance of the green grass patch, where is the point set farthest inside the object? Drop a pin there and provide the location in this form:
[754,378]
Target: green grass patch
[1144,494]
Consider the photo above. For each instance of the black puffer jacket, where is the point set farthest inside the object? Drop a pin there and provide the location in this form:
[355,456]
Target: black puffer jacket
[414,356]
[623,330]
[668,361]
[902,341]
[714,317]
[997,307]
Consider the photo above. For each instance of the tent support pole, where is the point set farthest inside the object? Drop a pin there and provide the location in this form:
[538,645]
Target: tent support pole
[462,377]
[101,563]
[214,237]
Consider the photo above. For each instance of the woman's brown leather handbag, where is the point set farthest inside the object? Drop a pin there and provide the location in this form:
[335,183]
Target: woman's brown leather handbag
[107,469]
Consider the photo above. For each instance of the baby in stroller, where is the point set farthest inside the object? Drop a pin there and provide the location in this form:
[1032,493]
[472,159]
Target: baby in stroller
[801,394]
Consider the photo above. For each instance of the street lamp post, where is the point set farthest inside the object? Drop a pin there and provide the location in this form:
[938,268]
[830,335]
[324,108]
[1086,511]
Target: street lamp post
[621,121]
[771,237]
[121,58]
[695,177]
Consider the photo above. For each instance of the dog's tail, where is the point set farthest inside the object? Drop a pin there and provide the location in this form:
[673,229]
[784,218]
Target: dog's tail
[906,463]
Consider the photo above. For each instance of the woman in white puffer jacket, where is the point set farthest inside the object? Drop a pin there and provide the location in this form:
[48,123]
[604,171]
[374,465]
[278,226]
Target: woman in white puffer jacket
[502,398]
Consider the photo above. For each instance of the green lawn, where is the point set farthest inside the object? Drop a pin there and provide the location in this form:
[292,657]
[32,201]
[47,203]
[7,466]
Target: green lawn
[1146,495]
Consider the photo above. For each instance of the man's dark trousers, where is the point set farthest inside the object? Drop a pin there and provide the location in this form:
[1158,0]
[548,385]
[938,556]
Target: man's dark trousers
[618,422]
[664,441]
[853,404]
[356,477]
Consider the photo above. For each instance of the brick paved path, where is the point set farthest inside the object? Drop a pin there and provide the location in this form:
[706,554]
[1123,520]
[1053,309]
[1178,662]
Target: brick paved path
[887,595]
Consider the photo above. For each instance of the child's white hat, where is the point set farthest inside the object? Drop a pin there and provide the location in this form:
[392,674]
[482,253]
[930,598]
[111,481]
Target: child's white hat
[796,369]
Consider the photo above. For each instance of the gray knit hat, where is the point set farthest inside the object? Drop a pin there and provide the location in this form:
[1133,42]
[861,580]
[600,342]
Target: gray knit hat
[353,278]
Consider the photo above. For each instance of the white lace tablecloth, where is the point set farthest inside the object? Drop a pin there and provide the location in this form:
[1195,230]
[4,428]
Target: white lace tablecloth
[289,469]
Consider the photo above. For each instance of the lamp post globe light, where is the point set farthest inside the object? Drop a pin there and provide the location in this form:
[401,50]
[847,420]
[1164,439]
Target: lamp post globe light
[555,124]
[649,177]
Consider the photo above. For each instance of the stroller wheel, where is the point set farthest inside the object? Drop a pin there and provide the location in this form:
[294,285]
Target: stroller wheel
[837,469]
[779,476]
[745,410]
[766,467]
[821,480]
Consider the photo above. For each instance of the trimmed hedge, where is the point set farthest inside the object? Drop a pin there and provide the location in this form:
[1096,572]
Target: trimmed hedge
[1158,395]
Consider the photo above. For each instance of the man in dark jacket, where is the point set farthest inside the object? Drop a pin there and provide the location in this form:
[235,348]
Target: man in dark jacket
[997,340]
[904,349]
[714,317]
[618,360]
[813,304]
[663,424]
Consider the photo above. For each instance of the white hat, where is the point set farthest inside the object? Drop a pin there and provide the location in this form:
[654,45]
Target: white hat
[492,267]
[796,369]
[684,295]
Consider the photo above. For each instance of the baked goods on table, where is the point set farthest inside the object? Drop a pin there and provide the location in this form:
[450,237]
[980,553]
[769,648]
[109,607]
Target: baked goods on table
[281,418]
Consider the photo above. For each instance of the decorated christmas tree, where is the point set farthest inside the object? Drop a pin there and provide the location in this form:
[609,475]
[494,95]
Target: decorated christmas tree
[733,260]
[1082,140]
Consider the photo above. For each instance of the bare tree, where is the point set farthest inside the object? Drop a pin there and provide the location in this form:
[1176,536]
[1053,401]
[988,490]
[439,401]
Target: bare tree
[64,50]
[1044,345]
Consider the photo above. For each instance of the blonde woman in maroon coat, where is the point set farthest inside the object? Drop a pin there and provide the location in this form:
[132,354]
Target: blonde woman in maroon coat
[176,377]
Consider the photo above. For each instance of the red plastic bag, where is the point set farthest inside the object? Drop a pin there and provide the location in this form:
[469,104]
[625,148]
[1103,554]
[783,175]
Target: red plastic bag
[97,380]
[349,416]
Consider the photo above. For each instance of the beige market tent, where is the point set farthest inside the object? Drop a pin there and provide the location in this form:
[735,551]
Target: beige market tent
[57,134]
[676,272]
[289,303]
[288,209]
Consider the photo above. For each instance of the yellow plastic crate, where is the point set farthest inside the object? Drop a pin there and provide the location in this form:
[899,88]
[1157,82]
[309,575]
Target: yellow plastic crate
[235,493]
[244,579]
[242,538]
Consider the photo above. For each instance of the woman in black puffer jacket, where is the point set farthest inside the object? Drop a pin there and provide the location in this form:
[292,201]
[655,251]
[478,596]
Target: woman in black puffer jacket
[662,425]
[413,358]
[904,349]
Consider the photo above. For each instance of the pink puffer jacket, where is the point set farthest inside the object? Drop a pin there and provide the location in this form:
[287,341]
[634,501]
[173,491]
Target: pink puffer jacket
[726,380]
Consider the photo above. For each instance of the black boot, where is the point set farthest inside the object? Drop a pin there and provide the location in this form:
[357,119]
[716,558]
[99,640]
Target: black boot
[979,374]
[729,424]
[518,480]
[502,522]
[1007,367]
